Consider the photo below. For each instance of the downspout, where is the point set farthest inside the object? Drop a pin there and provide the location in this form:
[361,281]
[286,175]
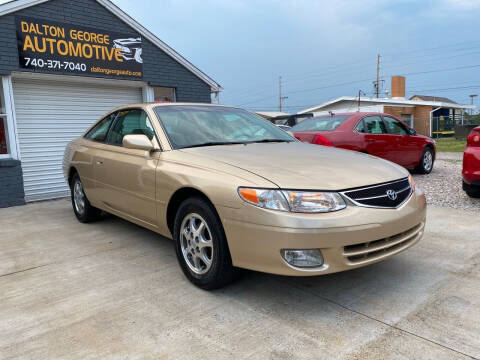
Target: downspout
[431,119]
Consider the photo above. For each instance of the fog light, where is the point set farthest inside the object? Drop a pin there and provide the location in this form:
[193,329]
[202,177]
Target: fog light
[303,258]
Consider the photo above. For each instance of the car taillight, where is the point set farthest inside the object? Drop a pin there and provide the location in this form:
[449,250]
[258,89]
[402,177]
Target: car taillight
[473,139]
[322,140]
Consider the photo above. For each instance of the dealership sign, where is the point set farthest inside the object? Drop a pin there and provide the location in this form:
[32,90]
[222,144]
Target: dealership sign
[57,47]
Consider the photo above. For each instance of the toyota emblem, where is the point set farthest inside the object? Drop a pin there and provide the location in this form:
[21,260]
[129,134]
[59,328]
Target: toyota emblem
[392,195]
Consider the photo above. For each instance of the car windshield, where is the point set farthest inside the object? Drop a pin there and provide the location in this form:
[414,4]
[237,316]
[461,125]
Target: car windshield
[321,123]
[200,125]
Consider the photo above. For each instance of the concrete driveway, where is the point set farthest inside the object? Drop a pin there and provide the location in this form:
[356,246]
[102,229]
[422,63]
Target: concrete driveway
[112,290]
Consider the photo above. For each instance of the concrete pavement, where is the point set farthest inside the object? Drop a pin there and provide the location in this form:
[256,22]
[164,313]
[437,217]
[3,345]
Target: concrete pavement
[112,290]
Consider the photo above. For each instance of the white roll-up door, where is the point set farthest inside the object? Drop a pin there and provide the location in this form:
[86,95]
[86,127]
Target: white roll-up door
[49,114]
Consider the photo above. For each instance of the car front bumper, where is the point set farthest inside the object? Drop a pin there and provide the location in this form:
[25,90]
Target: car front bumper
[349,238]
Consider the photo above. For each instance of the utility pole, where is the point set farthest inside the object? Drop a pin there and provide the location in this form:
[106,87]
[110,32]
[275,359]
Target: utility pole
[280,97]
[376,83]
[471,102]
[360,92]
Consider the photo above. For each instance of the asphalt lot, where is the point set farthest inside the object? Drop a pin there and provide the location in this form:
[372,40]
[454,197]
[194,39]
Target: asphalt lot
[112,290]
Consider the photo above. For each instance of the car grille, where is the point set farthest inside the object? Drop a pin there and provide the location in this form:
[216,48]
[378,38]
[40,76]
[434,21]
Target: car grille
[387,195]
[372,250]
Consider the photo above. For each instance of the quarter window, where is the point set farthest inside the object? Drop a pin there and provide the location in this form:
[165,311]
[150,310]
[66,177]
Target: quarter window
[130,122]
[99,131]
[394,126]
[374,125]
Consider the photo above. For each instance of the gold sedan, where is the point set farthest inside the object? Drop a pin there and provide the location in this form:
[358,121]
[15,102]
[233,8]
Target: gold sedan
[234,191]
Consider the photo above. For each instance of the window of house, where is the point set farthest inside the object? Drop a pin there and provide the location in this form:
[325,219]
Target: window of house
[4,141]
[163,94]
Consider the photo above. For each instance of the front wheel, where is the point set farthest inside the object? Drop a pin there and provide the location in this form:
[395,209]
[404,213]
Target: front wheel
[473,194]
[426,162]
[201,245]
[82,208]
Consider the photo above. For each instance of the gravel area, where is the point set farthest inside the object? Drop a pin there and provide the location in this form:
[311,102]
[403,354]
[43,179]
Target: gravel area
[443,186]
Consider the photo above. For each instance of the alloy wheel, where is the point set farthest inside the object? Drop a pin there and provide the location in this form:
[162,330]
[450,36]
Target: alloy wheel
[427,160]
[196,243]
[79,197]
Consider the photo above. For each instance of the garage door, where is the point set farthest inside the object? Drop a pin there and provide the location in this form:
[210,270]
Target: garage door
[49,114]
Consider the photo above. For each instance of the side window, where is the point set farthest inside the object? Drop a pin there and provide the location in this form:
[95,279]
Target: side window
[394,126]
[99,131]
[360,127]
[130,122]
[374,125]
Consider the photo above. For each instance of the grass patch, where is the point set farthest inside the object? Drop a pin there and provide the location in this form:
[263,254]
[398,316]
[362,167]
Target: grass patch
[450,144]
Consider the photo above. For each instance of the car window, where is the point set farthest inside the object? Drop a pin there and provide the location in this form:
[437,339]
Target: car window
[99,131]
[394,126]
[374,125]
[360,127]
[321,123]
[191,125]
[130,122]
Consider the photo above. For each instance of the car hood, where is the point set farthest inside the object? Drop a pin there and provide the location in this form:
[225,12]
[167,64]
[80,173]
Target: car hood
[298,165]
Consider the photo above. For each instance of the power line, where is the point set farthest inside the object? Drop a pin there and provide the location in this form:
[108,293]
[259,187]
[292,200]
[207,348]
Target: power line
[247,92]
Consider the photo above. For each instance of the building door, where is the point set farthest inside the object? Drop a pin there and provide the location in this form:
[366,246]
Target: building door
[50,112]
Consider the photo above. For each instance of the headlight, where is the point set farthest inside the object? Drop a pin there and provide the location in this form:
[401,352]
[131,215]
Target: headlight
[294,201]
[412,182]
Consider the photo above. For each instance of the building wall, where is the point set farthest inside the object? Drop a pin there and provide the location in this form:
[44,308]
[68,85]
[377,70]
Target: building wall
[422,119]
[159,69]
[11,183]
[421,116]
[398,111]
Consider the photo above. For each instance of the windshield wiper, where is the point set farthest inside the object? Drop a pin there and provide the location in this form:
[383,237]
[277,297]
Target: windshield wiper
[267,141]
[213,143]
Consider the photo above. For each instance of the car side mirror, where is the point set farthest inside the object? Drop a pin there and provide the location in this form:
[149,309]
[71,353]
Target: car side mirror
[138,142]
[412,131]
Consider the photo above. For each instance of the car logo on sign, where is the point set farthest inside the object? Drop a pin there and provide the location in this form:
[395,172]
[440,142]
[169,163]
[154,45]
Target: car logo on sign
[392,195]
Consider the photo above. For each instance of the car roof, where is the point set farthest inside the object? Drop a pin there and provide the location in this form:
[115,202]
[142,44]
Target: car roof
[151,105]
[359,114]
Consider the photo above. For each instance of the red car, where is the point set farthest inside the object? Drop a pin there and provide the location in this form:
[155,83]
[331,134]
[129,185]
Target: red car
[471,164]
[376,134]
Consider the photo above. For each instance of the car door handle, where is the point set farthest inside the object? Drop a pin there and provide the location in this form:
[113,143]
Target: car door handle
[99,162]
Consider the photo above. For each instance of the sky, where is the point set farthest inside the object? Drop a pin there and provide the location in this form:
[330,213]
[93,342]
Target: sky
[322,49]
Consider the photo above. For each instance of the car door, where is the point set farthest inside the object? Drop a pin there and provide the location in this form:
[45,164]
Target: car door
[86,167]
[405,147]
[126,177]
[375,137]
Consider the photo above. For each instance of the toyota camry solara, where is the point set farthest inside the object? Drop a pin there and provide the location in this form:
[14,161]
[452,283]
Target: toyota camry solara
[234,191]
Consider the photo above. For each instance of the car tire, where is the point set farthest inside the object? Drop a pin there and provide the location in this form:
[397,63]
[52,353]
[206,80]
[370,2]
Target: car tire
[201,245]
[473,194]
[425,165]
[82,208]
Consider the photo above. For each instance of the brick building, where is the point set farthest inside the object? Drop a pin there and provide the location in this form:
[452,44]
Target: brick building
[426,114]
[63,64]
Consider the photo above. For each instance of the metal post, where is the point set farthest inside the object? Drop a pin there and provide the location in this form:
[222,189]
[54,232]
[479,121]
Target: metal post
[377,83]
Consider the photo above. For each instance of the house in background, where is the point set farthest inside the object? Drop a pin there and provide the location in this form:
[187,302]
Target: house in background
[428,115]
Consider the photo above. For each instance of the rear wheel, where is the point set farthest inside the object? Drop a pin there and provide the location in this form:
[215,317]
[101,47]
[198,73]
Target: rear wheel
[426,162]
[201,245]
[82,208]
